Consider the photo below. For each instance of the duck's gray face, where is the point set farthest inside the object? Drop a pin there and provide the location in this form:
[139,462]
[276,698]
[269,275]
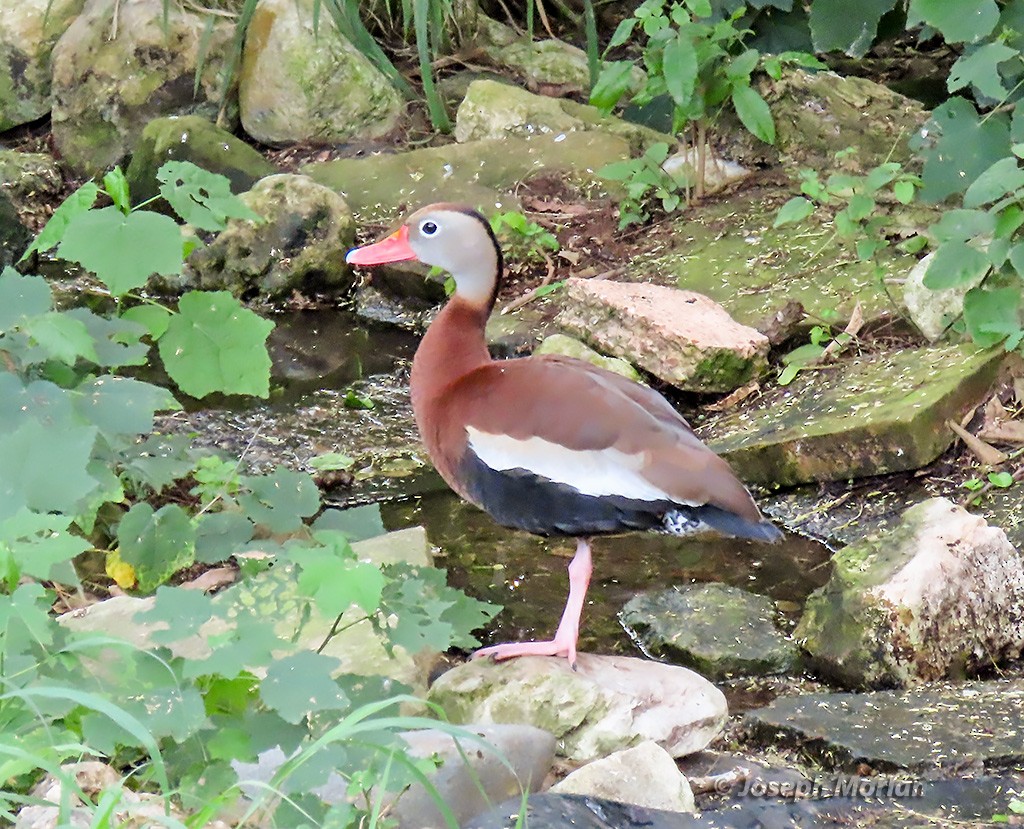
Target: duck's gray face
[456,241]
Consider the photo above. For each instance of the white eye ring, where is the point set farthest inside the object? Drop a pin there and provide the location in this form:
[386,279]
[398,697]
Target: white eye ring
[428,228]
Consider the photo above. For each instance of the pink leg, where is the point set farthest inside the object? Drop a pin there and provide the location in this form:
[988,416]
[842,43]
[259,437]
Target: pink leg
[564,643]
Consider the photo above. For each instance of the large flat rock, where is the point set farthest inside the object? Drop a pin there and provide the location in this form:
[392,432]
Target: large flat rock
[681,337]
[870,415]
[918,729]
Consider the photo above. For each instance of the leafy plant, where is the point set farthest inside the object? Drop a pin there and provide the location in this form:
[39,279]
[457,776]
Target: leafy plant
[521,238]
[645,180]
[77,481]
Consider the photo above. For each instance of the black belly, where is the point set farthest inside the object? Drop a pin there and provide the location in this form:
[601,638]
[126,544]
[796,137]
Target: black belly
[523,500]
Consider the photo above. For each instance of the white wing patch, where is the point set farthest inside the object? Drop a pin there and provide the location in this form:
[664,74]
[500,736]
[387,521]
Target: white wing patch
[596,472]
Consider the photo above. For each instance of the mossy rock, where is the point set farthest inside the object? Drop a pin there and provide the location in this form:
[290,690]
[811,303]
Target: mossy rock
[14,236]
[869,415]
[571,347]
[718,630]
[483,174]
[193,138]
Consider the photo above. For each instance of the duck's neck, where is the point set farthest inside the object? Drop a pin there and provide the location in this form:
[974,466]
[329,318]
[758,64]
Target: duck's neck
[453,346]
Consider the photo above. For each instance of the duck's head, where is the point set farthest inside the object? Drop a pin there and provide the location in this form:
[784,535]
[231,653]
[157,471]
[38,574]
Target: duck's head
[450,236]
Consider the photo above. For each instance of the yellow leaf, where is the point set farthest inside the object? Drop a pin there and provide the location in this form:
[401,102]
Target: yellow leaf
[120,571]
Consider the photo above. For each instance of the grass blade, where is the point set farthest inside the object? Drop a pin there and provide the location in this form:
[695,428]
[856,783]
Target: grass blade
[438,115]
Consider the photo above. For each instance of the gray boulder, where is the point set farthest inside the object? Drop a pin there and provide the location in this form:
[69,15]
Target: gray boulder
[297,85]
[941,593]
[28,31]
[106,89]
[300,246]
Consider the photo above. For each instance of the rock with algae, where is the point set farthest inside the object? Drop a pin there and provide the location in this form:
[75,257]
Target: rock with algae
[571,347]
[941,593]
[680,337]
[866,416]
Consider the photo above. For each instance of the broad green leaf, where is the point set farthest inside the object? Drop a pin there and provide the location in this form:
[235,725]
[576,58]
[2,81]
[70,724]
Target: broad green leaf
[754,113]
[355,523]
[201,198]
[622,32]
[904,191]
[281,500]
[961,225]
[220,535]
[331,461]
[741,67]
[157,461]
[613,82]
[849,25]
[123,251]
[1005,176]
[40,400]
[45,468]
[980,68]
[176,614]
[41,545]
[117,341]
[795,210]
[958,22]
[301,684]
[157,544]
[121,405]
[62,337]
[860,207]
[74,205]
[21,297]
[154,318]
[881,175]
[991,314]
[1008,221]
[680,68]
[116,186]
[336,584]
[1002,480]
[955,263]
[958,146]
[214,344]
[1017,258]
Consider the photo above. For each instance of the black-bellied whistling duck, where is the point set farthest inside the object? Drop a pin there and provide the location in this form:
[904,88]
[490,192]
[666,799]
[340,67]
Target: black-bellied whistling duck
[548,444]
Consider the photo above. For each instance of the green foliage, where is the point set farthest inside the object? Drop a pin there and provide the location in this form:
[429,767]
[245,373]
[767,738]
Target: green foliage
[214,679]
[522,239]
[645,180]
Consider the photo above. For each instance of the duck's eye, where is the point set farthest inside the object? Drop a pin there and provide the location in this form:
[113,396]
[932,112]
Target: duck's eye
[428,228]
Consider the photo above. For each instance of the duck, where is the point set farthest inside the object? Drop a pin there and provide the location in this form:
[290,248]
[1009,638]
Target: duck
[547,444]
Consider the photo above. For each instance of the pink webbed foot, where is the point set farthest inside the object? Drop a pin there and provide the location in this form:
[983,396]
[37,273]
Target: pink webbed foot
[551,647]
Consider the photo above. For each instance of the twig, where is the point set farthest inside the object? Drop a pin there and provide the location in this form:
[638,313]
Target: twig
[719,783]
[988,455]
[531,295]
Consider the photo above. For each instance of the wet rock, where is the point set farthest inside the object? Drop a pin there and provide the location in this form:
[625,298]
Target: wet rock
[483,174]
[297,85]
[106,90]
[731,252]
[29,178]
[516,758]
[14,236]
[195,139]
[299,247]
[715,629]
[540,62]
[867,416]
[933,311]
[645,775]
[940,725]
[941,593]
[817,114]
[274,594]
[680,337]
[28,31]
[571,347]
[492,109]
[609,703]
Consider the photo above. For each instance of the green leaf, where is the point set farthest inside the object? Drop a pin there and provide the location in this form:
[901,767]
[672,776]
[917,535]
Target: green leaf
[41,545]
[789,373]
[121,405]
[336,584]
[154,318]
[220,535]
[980,68]
[860,206]
[741,67]
[214,344]
[1003,480]
[22,297]
[622,32]
[74,205]
[61,337]
[123,251]
[849,25]
[301,684]
[754,113]
[795,210]
[955,263]
[613,82]
[963,225]
[201,198]
[331,462]
[1008,221]
[991,315]
[957,22]
[117,341]
[116,186]
[176,614]
[156,544]
[1017,258]
[1005,176]
[958,146]
[904,191]
[680,68]
[355,523]
[281,500]
[45,468]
